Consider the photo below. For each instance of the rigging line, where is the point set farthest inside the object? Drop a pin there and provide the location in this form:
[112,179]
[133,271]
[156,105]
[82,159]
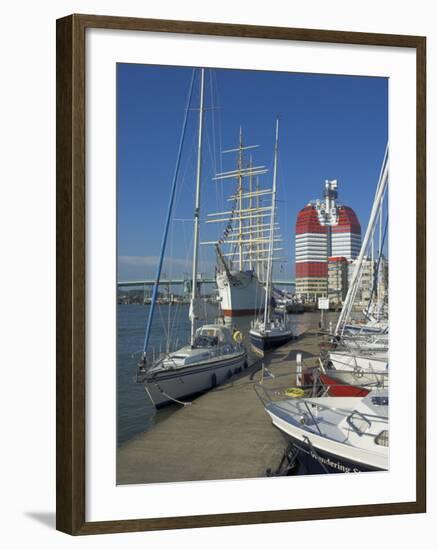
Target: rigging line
[170,287]
[188,170]
[176,314]
[191,153]
[180,189]
[167,223]
[162,322]
[217,169]
[283,203]
[377,267]
[220,135]
[214,148]
[161,316]
[185,240]
[211,152]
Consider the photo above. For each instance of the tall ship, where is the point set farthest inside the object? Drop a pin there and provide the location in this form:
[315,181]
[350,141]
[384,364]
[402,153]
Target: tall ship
[243,248]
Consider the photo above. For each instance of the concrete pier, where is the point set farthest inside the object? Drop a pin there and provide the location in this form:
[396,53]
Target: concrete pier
[224,434]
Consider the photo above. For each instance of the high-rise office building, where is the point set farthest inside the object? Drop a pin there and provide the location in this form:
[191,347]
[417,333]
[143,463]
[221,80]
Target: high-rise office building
[324,229]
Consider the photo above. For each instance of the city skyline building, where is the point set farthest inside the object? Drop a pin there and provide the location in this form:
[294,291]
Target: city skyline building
[373,281]
[324,229]
[338,279]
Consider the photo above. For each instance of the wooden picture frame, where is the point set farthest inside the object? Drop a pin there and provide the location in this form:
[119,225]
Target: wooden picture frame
[71,253]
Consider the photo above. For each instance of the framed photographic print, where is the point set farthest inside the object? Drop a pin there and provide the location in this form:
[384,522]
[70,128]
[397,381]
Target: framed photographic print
[241,273]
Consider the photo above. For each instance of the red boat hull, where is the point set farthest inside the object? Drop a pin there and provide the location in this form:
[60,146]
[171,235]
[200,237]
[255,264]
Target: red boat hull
[342,390]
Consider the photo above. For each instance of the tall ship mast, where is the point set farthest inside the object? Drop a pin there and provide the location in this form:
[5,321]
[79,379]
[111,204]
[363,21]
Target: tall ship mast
[243,248]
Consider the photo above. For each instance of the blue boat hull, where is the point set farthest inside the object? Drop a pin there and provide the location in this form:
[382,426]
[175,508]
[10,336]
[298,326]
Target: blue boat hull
[264,343]
[316,461]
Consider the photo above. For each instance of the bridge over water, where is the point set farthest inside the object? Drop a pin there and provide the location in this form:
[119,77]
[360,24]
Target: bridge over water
[186,282]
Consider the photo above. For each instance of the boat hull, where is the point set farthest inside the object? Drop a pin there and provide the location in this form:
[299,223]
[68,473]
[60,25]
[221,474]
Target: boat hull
[319,454]
[175,385]
[358,371]
[339,389]
[294,308]
[317,461]
[240,294]
[357,379]
[267,342]
[332,448]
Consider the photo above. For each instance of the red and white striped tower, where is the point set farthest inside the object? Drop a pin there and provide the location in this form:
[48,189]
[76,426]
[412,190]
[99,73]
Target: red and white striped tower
[323,229]
[311,254]
[346,234]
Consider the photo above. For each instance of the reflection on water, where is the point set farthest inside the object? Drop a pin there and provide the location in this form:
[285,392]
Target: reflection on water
[135,412]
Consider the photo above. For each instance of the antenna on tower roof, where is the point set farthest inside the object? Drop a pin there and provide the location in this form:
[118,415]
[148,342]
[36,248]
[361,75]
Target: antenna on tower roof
[331,189]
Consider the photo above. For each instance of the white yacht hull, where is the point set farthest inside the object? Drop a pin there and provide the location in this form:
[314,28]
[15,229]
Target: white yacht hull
[376,363]
[319,455]
[332,441]
[362,371]
[170,386]
[241,294]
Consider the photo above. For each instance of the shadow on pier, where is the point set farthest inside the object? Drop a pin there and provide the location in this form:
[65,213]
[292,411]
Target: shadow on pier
[223,434]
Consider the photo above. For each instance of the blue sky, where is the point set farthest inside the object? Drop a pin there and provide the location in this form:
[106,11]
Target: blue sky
[331,127]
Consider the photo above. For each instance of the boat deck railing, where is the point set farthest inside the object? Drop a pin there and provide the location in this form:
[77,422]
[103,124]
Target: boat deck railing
[312,385]
[157,355]
[284,387]
[309,411]
[356,344]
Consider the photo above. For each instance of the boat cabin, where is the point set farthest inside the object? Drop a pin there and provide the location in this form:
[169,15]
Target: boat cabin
[212,335]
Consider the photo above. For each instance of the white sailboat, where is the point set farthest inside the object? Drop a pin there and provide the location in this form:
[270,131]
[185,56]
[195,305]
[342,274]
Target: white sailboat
[270,331]
[335,434]
[211,356]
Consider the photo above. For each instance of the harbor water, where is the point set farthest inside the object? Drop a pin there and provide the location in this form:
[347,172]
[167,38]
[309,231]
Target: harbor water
[135,412]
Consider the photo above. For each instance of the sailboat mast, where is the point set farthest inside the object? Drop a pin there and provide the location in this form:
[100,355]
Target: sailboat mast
[167,225]
[357,273]
[378,272]
[197,210]
[272,227]
[258,233]
[240,200]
